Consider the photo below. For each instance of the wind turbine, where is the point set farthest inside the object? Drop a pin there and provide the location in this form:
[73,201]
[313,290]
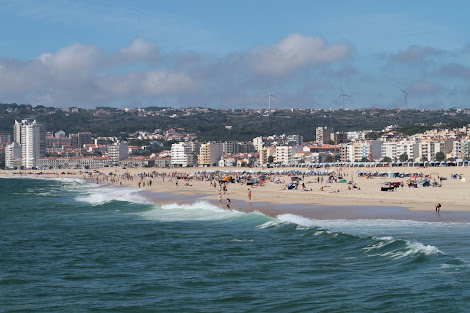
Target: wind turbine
[269,95]
[406,96]
[342,95]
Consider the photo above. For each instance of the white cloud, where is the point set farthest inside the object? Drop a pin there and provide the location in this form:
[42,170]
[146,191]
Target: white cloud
[138,51]
[296,51]
[163,82]
[139,48]
[75,57]
[84,75]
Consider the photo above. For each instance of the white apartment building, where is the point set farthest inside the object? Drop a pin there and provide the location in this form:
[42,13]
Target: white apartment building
[461,149]
[360,150]
[258,143]
[12,152]
[182,154]
[356,151]
[410,147]
[32,141]
[117,152]
[389,149]
[394,149]
[285,154]
[428,148]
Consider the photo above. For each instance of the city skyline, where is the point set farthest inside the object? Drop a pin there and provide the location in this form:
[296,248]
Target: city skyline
[223,55]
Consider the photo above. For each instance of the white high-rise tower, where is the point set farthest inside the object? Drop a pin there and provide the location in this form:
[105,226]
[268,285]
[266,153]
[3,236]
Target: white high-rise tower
[31,136]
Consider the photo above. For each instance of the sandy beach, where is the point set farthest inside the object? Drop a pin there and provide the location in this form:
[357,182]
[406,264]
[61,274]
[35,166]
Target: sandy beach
[361,195]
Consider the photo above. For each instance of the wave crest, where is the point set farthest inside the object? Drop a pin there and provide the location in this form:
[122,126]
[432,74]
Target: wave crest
[104,194]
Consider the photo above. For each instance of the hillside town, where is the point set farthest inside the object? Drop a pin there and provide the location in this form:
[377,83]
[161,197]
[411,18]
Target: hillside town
[31,147]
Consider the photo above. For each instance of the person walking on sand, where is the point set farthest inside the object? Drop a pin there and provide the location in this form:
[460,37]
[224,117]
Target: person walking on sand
[438,207]
[249,194]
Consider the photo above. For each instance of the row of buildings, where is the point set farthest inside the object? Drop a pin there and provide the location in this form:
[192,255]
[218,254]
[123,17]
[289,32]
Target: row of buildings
[31,147]
[329,146]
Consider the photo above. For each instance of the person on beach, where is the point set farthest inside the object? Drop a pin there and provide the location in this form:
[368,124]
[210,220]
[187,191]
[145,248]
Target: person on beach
[228,204]
[249,194]
[220,197]
[438,207]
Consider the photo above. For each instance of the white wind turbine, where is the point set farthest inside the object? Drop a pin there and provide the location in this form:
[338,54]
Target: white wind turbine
[342,95]
[406,96]
[269,95]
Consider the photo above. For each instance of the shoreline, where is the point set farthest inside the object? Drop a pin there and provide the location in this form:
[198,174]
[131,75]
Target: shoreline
[336,201]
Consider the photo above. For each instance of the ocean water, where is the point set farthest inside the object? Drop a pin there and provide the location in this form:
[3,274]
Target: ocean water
[72,247]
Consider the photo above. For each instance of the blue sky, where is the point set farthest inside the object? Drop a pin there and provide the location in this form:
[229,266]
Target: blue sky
[225,54]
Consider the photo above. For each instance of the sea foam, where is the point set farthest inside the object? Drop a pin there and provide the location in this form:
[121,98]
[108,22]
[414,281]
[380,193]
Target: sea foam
[103,194]
[197,211]
[394,248]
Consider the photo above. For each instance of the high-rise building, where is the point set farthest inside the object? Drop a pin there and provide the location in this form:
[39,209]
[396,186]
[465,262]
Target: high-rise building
[265,153]
[285,154]
[17,131]
[117,152]
[461,149]
[323,134]
[74,140]
[209,153]
[230,147]
[389,150]
[246,147]
[340,137]
[12,153]
[428,148]
[32,138]
[84,138]
[408,147]
[182,154]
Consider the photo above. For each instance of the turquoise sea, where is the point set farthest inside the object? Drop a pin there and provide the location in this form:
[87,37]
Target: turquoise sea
[72,247]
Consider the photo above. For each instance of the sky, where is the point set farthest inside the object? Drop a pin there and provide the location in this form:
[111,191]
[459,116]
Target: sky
[230,54]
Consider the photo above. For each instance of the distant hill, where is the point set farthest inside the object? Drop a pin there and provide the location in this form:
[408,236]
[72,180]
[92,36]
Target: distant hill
[210,124]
